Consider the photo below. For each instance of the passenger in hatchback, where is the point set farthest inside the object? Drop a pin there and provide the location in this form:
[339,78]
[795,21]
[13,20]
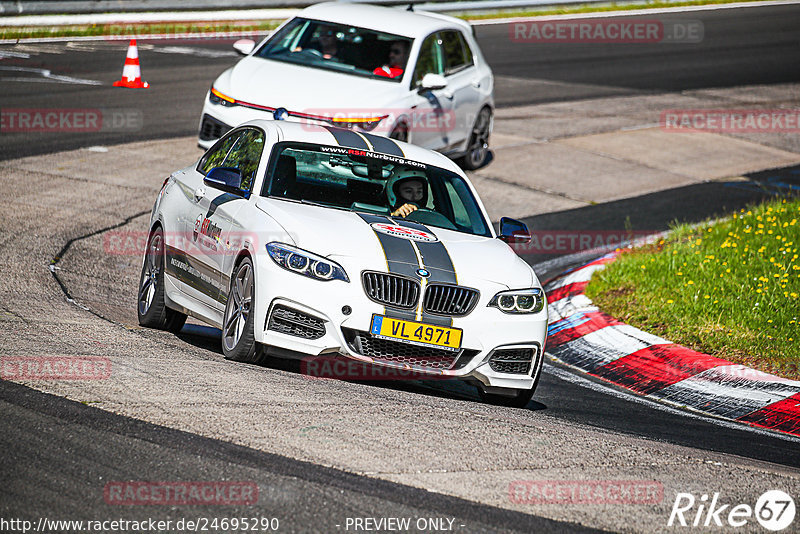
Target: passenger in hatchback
[398,57]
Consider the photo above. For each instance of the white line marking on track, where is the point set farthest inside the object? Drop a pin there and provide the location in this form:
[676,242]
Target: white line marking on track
[94,46]
[8,53]
[46,76]
[39,48]
[258,36]
[191,51]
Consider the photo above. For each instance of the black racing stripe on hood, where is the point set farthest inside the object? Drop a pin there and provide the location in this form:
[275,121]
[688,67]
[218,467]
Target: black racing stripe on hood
[384,145]
[434,256]
[437,261]
[400,259]
[400,255]
[348,138]
[396,250]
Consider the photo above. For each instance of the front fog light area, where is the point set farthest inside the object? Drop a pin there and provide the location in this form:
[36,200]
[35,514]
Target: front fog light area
[220,99]
[305,263]
[519,301]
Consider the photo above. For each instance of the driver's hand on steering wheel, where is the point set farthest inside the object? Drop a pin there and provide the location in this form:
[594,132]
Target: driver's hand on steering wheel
[405,210]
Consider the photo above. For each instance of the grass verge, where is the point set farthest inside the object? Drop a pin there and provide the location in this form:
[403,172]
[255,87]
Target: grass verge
[730,289]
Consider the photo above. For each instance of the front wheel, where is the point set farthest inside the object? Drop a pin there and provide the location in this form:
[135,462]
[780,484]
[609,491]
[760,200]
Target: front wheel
[478,148]
[238,339]
[151,308]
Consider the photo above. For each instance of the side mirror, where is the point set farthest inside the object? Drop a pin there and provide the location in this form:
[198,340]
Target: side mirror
[225,179]
[244,46]
[431,82]
[513,231]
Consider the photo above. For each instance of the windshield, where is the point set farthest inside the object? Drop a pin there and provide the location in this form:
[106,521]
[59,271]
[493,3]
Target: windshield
[338,47]
[373,183]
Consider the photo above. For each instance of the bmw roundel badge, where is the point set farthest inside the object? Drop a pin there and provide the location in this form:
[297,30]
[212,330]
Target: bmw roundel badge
[280,114]
[424,273]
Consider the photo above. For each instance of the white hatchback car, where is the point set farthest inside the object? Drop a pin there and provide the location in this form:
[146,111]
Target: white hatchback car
[304,241]
[412,76]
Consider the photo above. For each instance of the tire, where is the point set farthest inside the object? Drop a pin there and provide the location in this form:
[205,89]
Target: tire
[238,339]
[478,147]
[150,304]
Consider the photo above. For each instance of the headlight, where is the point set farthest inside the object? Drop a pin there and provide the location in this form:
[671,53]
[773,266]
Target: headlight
[303,262]
[519,301]
[220,99]
[369,125]
[365,123]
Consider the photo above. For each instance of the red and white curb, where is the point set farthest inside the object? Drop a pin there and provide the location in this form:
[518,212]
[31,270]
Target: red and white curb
[583,337]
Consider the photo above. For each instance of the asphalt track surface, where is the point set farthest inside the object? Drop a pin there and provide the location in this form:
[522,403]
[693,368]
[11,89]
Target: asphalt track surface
[303,496]
[45,438]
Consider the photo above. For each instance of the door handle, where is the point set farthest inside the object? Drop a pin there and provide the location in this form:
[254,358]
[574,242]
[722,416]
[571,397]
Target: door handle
[448,95]
[199,193]
[476,84]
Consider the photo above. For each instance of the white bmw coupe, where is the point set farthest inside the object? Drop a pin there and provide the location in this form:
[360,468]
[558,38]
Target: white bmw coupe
[304,241]
[413,76]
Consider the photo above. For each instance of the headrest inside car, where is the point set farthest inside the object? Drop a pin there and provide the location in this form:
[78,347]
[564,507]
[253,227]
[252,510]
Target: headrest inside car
[284,177]
[365,191]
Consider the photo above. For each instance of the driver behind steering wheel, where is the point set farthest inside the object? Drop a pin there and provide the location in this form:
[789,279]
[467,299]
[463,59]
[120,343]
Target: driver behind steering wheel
[407,191]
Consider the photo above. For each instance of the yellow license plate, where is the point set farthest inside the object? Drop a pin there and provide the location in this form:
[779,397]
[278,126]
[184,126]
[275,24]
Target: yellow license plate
[426,335]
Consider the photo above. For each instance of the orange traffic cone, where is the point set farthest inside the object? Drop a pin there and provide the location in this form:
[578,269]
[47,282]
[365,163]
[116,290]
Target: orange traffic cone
[131,73]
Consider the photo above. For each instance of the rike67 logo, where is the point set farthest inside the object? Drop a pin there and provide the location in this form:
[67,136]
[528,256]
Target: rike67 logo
[774,510]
